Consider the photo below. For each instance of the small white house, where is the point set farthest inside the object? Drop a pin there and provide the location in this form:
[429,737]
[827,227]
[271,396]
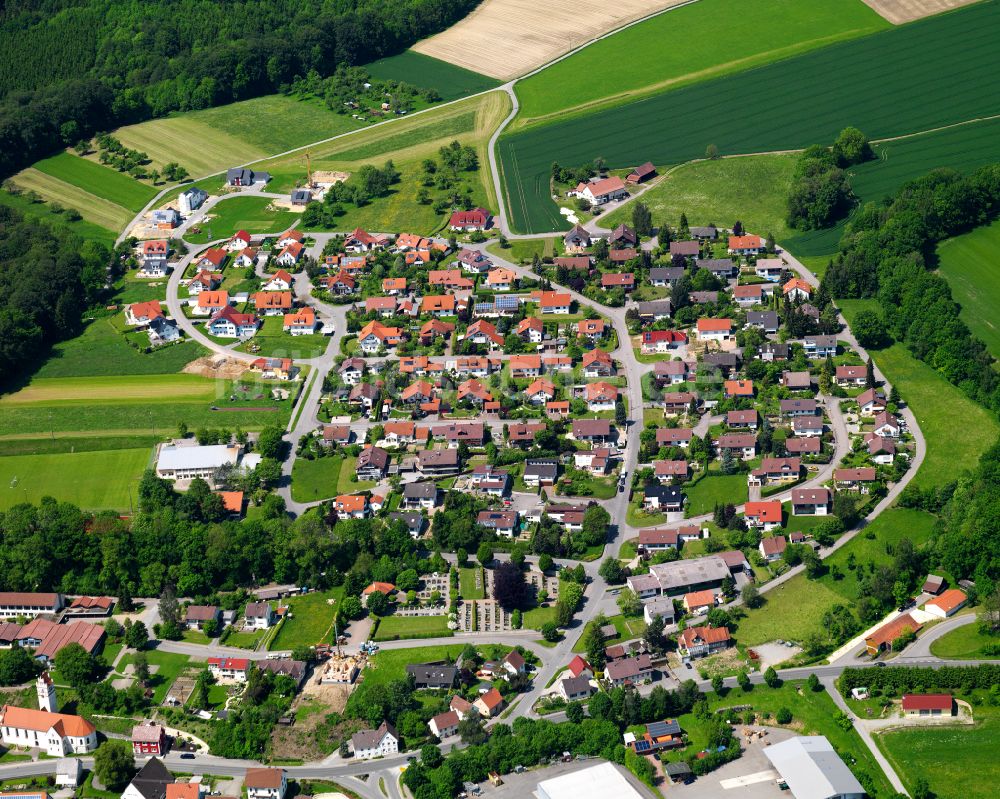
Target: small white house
[375,743]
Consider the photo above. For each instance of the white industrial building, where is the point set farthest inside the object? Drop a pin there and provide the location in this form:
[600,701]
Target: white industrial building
[597,782]
[181,461]
[811,769]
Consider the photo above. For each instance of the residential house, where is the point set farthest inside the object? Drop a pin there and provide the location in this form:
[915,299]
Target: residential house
[701,641]
[598,363]
[674,437]
[796,381]
[807,426]
[300,323]
[771,549]
[540,472]
[678,402]
[474,262]
[394,286]
[420,495]
[776,470]
[359,240]
[663,498]
[714,329]
[190,200]
[501,522]
[671,372]
[798,407]
[489,704]
[663,276]
[289,255]
[438,462]
[265,783]
[365,395]
[819,346]
[474,392]
[699,603]
[272,303]
[149,739]
[227,323]
[764,515]
[768,322]
[525,366]
[540,391]
[483,333]
[851,375]
[742,420]
[722,268]
[374,336]
[600,396]
[444,725]
[654,341]
[668,471]
[687,249]
[432,675]
[769,268]
[383,306]
[450,279]
[881,450]
[885,636]
[501,279]
[871,402]
[662,606]
[598,191]
[373,463]
[577,240]
[705,232]
[531,330]
[247,258]
[164,219]
[523,433]
[622,280]
[811,501]
[629,670]
[229,670]
[211,302]
[592,329]
[804,446]
[928,705]
[575,689]
[140,314]
[337,434]
[739,445]
[258,616]
[197,616]
[739,388]
[592,430]
[797,289]
[554,302]
[746,245]
[470,221]
[748,296]
[368,744]
[596,461]
[886,425]
[859,479]
[242,176]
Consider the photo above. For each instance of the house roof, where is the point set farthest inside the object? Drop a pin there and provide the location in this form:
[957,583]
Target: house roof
[152,780]
[706,325]
[230,664]
[263,777]
[491,699]
[745,243]
[811,496]
[797,283]
[382,588]
[767,511]
[888,633]
[577,665]
[703,634]
[367,739]
[591,427]
[628,668]
[699,599]
[784,465]
[812,769]
[774,545]
[928,702]
[863,474]
[949,600]
[605,186]
[446,720]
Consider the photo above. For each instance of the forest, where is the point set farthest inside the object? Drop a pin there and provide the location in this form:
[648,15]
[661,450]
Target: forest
[48,276]
[73,68]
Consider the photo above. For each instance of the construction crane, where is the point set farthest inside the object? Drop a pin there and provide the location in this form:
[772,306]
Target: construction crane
[309,172]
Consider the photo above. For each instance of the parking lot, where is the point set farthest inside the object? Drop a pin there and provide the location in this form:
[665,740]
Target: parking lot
[750,777]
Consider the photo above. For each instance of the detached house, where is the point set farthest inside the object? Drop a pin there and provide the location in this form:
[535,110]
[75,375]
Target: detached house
[698,642]
[290,254]
[554,302]
[746,245]
[470,221]
[714,329]
[739,445]
[300,323]
[375,743]
[279,281]
[374,336]
[871,402]
[600,396]
[577,240]
[764,515]
[816,347]
[851,375]
[654,341]
[227,323]
[474,262]
[265,783]
[272,303]
[811,501]
[601,191]
[598,363]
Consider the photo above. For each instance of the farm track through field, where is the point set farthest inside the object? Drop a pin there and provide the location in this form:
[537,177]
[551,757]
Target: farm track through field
[929,78]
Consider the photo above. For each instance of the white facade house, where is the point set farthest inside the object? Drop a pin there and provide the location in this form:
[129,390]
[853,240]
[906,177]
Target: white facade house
[375,743]
[190,200]
[266,783]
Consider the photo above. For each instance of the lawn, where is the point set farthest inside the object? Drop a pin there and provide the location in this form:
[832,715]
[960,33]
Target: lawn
[715,489]
[923,83]
[969,263]
[628,628]
[244,640]
[311,620]
[812,714]
[272,340]
[392,628]
[523,251]
[315,479]
[688,45]
[170,666]
[34,444]
[751,189]
[43,211]
[101,350]
[94,209]
[535,618]
[242,213]
[390,664]
[936,403]
[105,182]
[467,587]
[93,480]
[417,69]
[955,760]
[965,643]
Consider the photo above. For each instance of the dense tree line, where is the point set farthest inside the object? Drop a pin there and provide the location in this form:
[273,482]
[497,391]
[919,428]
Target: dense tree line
[47,277]
[71,68]
[917,679]
[821,192]
[886,253]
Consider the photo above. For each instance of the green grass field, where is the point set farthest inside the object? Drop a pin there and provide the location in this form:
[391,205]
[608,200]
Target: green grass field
[316,479]
[311,621]
[170,666]
[242,213]
[969,263]
[690,44]
[33,444]
[92,480]
[936,404]
[751,189]
[390,664]
[964,148]
[965,643]
[417,69]
[94,209]
[955,760]
[105,182]
[393,627]
[467,583]
[100,350]
[922,82]
[43,212]
[46,391]
[271,340]
[715,489]
[524,250]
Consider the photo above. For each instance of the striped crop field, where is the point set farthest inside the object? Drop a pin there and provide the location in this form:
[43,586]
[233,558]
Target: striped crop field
[112,185]
[913,78]
[97,210]
[119,388]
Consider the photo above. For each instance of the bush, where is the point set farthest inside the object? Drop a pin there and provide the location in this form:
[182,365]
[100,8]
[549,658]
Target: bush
[783,716]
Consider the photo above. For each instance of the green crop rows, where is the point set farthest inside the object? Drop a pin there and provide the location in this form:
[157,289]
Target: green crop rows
[912,78]
[421,70]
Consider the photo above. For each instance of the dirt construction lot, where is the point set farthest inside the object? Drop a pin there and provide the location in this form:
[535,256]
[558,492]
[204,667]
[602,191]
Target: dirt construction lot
[507,38]
[900,11]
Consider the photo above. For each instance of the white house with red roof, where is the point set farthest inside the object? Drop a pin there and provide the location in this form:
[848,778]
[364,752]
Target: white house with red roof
[599,191]
[239,241]
[470,221]
[279,281]
[142,313]
[229,670]
[290,254]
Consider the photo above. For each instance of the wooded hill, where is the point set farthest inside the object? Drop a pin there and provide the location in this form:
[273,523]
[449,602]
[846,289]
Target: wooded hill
[69,68]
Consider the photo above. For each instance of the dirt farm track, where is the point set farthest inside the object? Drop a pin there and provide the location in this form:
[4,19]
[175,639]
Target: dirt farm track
[507,38]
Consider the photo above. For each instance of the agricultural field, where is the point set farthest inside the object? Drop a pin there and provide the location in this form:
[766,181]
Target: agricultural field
[969,264]
[687,45]
[254,214]
[417,69]
[507,38]
[43,211]
[105,182]
[94,209]
[954,759]
[43,392]
[92,480]
[406,143]
[923,83]
[900,11]
[962,147]
[752,189]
